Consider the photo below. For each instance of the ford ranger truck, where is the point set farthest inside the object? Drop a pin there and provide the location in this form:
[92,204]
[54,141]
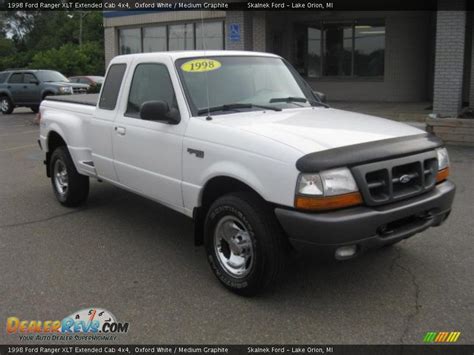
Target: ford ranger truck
[239,142]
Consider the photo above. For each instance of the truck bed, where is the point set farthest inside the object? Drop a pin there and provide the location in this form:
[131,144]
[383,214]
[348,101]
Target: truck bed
[82,99]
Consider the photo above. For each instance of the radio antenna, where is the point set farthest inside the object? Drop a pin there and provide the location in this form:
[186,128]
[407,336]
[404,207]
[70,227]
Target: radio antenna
[204,46]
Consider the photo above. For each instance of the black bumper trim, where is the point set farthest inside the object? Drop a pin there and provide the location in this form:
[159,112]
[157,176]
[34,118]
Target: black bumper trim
[364,225]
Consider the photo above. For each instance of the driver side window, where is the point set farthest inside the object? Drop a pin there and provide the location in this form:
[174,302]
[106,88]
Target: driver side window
[151,81]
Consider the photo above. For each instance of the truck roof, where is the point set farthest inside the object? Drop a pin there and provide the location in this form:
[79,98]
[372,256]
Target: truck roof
[187,54]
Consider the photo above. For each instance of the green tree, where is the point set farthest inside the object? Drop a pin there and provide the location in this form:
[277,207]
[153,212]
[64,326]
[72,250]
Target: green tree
[70,59]
[50,40]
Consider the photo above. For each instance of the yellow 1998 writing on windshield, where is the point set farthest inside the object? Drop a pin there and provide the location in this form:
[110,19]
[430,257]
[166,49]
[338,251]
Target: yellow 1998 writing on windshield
[200,65]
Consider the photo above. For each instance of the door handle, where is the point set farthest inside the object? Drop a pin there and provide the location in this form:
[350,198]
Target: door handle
[121,130]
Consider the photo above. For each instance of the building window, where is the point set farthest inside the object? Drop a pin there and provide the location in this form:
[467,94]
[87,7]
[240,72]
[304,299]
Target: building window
[369,51]
[185,36]
[130,41]
[181,37]
[210,34]
[337,47]
[345,49]
[154,39]
[314,52]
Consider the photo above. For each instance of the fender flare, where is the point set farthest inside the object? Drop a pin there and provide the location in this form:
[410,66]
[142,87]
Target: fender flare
[45,93]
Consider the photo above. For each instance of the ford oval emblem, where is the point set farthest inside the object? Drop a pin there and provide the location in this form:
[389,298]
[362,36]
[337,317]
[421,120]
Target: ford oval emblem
[404,179]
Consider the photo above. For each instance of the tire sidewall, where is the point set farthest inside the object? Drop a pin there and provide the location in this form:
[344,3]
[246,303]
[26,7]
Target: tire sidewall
[59,154]
[214,216]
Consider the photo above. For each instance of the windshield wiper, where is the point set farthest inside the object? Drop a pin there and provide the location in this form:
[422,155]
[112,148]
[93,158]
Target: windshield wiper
[236,106]
[292,99]
[288,99]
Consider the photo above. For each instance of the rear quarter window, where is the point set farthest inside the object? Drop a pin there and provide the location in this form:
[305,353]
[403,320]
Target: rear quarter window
[112,84]
[3,77]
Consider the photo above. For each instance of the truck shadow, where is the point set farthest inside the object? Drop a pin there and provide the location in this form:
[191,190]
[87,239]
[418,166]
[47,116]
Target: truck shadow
[162,279]
[170,234]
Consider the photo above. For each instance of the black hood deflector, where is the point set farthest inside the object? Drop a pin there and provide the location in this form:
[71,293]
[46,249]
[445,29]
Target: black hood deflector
[367,152]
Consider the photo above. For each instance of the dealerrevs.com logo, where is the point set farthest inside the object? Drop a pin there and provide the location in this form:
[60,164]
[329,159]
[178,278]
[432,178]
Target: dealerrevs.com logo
[86,324]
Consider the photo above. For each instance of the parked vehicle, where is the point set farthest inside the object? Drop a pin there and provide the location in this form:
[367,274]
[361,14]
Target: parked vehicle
[94,82]
[240,143]
[28,88]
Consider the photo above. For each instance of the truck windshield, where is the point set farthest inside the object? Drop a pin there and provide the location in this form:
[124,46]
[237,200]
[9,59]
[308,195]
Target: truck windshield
[51,76]
[223,84]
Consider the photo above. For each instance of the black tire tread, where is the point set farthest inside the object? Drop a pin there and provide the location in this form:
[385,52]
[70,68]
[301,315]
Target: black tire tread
[78,188]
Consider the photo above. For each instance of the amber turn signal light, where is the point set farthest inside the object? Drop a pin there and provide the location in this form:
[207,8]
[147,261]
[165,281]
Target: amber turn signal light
[311,203]
[442,175]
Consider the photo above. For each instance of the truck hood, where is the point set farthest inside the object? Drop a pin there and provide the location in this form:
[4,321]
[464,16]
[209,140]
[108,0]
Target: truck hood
[315,129]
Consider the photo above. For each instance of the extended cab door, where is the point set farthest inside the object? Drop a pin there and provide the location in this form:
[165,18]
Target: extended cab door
[101,128]
[148,153]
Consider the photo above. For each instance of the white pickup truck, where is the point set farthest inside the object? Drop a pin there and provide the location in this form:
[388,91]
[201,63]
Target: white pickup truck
[239,142]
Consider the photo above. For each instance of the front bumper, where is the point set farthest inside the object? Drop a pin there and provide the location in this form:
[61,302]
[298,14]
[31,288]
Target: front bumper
[367,227]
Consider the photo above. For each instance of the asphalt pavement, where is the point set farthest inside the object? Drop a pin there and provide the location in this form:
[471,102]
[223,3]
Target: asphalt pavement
[136,259]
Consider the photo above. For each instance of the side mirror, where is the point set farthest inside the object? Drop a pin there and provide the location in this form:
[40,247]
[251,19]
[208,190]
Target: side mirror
[36,82]
[159,111]
[320,95]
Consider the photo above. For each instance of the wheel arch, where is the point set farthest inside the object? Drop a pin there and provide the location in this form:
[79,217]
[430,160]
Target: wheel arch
[7,94]
[54,140]
[214,188]
[46,92]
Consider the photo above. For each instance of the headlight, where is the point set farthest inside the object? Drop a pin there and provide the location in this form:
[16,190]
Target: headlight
[338,182]
[443,164]
[310,184]
[65,89]
[443,158]
[329,189]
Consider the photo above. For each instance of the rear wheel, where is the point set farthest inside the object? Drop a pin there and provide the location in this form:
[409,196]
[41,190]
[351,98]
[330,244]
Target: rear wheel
[6,105]
[70,187]
[244,243]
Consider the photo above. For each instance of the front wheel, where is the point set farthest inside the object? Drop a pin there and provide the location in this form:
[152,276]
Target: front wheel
[70,187]
[35,109]
[244,243]
[6,105]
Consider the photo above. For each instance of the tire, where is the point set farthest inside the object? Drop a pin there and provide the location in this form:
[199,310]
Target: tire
[70,187]
[6,105]
[35,109]
[254,240]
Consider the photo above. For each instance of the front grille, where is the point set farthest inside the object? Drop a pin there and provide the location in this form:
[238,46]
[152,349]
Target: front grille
[396,179]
